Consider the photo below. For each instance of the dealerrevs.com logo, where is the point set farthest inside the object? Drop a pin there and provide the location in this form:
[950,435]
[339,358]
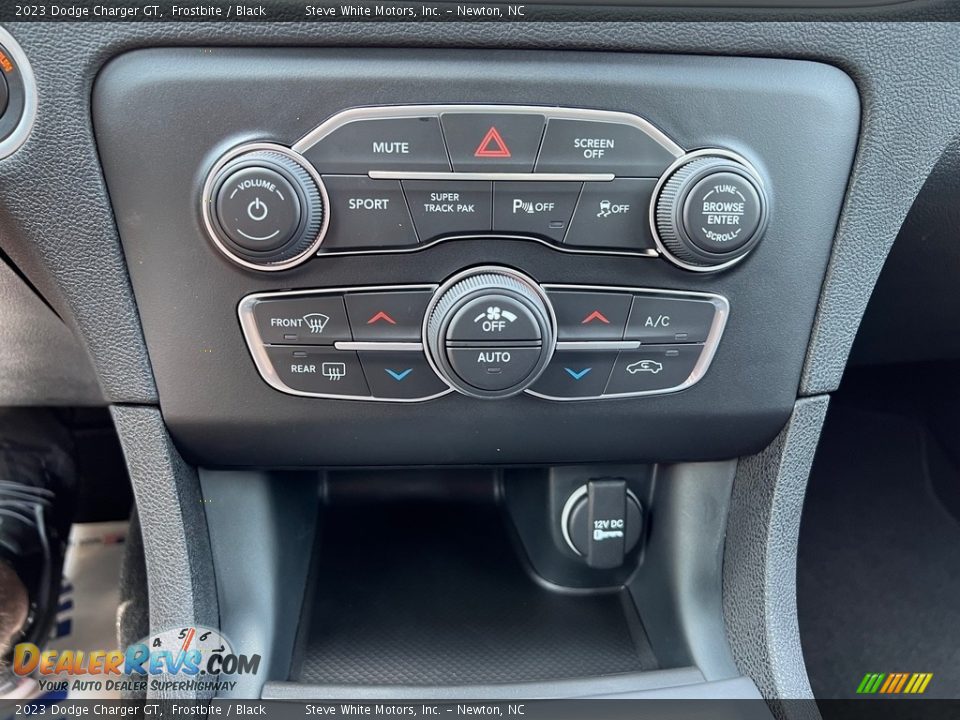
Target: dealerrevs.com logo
[190,658]
[894,683]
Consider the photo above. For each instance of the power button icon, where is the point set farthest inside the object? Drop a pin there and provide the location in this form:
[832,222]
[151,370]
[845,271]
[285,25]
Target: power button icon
[257,210]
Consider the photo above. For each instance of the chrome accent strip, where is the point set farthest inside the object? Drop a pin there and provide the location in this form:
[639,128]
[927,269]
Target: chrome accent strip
[598,344]
[15,140]
[667,174]
[722,306]
[206,203]
[258,350]
[546,177]
[384,112]
[493,235]
[398,346]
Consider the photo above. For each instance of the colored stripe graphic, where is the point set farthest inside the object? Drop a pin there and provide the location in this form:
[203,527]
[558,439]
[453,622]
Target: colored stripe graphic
[894,683]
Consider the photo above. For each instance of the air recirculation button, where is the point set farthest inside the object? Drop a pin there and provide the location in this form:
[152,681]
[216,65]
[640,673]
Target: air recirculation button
[490,332]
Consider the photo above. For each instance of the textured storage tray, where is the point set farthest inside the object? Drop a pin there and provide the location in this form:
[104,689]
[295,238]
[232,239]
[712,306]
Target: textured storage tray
[434,594]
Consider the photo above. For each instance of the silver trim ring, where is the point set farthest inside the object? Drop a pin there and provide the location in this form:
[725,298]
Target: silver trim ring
[667,174]
[482,270]
[207,200]
[15,140]
[568,511]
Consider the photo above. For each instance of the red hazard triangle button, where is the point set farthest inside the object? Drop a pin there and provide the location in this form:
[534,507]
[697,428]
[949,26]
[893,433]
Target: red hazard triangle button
[492,145]
[492,141]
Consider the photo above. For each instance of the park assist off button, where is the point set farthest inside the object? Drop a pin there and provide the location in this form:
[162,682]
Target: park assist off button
[534,208]
[579,146]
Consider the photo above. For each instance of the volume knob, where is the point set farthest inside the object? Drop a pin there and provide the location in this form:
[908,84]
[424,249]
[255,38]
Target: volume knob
[265,208]
[710,212]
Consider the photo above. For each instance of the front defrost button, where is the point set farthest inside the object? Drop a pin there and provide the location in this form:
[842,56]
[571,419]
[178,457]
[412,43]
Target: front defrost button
[317,320]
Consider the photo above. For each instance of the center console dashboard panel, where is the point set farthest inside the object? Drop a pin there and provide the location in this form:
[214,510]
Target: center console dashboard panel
[163,118]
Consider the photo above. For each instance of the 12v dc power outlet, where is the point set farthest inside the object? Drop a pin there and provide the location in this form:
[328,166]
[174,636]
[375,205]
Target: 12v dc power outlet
[603,522]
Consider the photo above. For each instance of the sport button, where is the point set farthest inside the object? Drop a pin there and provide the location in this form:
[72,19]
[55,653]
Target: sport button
[497,142]
[538,208]
[596,146]
[367,213]
[493,318]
